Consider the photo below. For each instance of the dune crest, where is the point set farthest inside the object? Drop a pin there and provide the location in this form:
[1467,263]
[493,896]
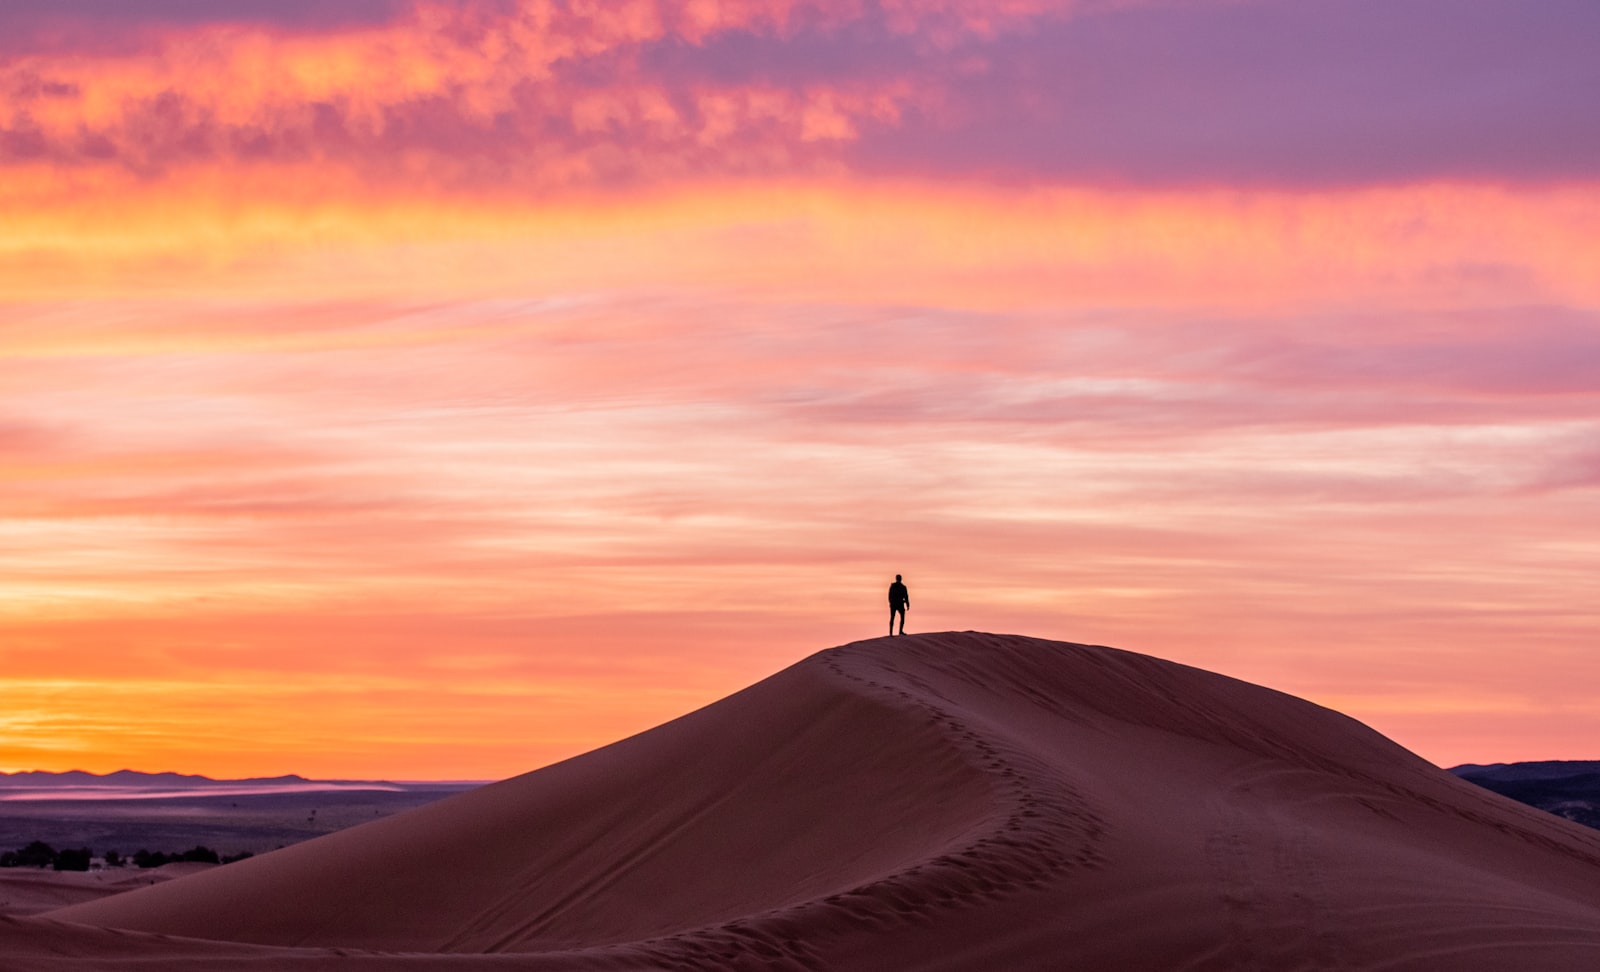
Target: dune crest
[946,801]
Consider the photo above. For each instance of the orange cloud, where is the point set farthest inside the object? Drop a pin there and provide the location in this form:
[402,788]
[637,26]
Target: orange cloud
[244,231]
[445,84]
[488,367]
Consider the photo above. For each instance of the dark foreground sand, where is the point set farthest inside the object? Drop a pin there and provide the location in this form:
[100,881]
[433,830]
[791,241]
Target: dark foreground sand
[951,801]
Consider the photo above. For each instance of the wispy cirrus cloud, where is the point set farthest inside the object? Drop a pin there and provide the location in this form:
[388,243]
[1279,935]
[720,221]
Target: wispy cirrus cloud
[564,366]
[668,498]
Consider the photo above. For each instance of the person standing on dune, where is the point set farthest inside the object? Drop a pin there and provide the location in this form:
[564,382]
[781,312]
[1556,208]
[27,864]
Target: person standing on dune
[899,601]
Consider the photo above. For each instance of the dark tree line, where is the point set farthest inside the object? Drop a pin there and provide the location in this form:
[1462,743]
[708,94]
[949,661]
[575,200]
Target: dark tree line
[199,854]
[39,854]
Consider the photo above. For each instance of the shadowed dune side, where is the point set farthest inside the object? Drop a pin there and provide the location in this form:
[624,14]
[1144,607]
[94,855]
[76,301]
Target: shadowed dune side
[953,801]
[784,793]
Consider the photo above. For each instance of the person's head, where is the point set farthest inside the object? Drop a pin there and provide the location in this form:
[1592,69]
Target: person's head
[897,578]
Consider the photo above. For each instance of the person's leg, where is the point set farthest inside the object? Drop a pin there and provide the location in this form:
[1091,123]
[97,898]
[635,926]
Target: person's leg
[891,620]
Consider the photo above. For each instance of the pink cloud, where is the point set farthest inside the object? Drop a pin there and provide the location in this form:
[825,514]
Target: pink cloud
[1173,94]
[1303,436]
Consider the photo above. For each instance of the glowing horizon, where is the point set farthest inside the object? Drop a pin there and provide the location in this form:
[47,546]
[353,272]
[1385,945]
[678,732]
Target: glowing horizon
[437,390]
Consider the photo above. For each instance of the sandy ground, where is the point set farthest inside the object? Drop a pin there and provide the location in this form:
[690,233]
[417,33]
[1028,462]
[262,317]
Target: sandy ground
[937,802]
[29,891]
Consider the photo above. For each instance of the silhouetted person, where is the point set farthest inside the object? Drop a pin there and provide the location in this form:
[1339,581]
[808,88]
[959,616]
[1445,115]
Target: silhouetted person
[899,600]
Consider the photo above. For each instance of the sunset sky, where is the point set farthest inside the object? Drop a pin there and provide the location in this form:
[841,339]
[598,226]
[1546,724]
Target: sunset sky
[440,389]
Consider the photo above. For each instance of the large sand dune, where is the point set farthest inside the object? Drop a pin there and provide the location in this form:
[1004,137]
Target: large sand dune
[950,801]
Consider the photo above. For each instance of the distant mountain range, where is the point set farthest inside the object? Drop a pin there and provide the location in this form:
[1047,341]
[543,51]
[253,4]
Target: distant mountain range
[171,812]
[41,778]
[131,784]
[1568,788]
[1549,769]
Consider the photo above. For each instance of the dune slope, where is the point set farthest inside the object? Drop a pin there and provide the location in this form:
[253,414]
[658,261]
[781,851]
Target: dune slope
[950,801]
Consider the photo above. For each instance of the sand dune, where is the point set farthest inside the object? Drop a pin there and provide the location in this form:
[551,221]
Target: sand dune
[950,801]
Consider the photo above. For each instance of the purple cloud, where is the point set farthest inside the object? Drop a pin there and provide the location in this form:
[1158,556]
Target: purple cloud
[1270,93]
[113,14]
[44,26]
[1320,92]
